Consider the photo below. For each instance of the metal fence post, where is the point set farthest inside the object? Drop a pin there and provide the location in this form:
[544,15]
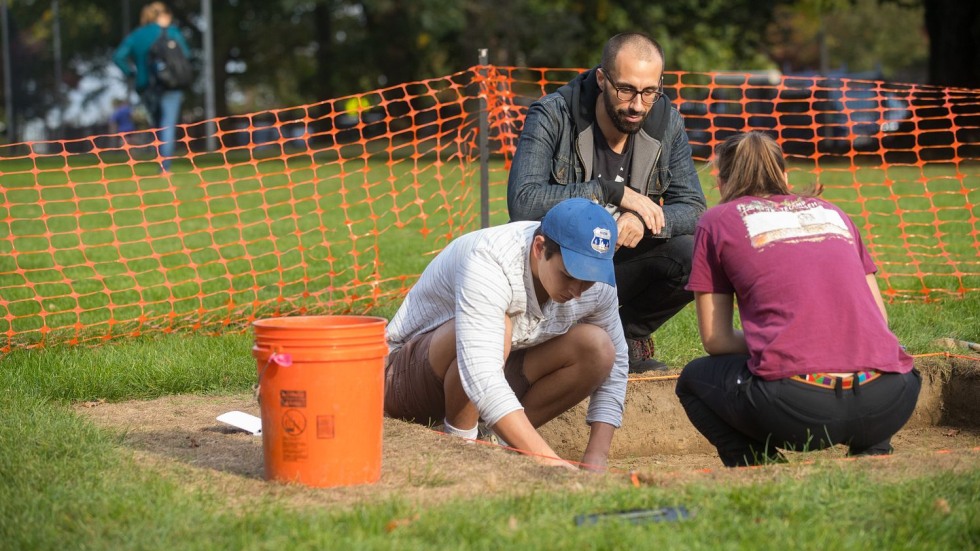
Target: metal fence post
[209,106]
[484,146]
[8,87]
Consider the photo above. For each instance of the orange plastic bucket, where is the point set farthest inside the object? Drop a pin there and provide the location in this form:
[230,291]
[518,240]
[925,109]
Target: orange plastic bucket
[321,392]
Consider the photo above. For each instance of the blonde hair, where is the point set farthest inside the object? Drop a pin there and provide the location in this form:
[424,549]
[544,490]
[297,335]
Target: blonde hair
[152,11]
[752,164]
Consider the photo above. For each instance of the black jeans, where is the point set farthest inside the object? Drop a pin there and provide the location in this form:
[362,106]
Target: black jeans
[746,417]
[650,281]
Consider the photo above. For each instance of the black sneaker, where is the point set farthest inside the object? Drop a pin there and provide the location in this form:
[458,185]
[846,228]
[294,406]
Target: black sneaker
[872,451]
[641,356]
[647,365]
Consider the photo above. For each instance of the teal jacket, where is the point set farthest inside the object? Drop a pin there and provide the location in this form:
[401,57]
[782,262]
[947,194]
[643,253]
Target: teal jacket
[132,56]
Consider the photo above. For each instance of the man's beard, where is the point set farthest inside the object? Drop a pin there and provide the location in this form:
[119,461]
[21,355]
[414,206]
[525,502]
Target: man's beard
[618,117]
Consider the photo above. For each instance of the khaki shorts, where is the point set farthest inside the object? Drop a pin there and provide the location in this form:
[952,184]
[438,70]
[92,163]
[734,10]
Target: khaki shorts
[414,393]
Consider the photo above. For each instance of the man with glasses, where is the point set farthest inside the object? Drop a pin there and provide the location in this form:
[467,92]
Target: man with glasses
[611,135]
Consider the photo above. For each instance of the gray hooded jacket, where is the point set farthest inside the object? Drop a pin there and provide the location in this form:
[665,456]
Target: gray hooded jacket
[556,149]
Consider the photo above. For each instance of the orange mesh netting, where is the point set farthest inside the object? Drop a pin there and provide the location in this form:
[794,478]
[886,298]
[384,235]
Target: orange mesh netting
[337,206]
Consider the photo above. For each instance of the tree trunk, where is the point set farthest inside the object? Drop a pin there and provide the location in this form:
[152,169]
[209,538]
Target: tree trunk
[954,42]
[395,55]
[326,53]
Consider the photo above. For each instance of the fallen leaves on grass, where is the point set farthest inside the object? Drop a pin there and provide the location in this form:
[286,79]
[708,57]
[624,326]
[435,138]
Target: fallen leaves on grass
[399,522]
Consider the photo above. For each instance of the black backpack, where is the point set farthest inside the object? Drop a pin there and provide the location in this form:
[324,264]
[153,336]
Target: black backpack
[169,65]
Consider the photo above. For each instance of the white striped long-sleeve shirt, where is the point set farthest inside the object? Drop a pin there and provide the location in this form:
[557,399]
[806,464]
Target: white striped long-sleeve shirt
[483,276]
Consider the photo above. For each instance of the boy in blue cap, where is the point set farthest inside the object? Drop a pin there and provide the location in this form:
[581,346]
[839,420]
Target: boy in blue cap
[515,325]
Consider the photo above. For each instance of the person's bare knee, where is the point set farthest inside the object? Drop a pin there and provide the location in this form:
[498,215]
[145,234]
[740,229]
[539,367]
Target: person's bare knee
[565,370]
[585,349]
[588,350]
[596,352]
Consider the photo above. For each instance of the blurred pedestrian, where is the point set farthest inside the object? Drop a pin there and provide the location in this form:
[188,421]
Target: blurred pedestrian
[121,119]
[814,363]
[133,57]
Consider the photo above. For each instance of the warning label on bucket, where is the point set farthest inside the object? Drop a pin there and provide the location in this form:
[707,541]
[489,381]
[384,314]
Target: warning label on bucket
[324,426]
[294,450]
[292,398]
[293,422]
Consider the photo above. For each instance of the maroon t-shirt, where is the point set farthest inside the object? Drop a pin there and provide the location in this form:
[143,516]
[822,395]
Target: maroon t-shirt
[797,267]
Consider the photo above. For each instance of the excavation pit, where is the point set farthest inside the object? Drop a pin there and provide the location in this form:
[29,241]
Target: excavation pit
[179,437]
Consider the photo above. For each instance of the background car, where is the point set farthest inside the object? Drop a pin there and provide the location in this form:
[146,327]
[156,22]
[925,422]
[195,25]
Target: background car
[808,116]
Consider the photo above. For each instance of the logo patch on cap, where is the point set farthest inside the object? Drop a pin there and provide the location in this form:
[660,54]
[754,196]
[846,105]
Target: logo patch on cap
[600,240]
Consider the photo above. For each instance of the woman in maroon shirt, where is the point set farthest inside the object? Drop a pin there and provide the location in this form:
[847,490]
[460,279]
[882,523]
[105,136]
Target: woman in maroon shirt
[814,364]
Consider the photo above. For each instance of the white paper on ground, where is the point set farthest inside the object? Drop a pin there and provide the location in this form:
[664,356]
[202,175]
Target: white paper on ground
[240,419]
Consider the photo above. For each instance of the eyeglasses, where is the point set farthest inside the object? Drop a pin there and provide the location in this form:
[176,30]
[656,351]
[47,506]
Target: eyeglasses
[648,96]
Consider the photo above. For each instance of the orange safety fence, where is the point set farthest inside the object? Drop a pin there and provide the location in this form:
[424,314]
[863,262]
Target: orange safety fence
[337,206]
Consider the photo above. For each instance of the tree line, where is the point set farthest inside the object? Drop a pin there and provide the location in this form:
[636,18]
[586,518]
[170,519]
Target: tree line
[276,53]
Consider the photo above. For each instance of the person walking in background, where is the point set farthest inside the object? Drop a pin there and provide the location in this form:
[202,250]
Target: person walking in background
[612,136]
[515,324]
[121,119]
[815,363]
[133,56]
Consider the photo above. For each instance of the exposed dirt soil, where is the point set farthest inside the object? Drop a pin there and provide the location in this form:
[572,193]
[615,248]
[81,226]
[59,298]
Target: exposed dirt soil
[180,437]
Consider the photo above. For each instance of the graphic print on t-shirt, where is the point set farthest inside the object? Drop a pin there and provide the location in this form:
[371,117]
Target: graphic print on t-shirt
[609,165]
[791,221]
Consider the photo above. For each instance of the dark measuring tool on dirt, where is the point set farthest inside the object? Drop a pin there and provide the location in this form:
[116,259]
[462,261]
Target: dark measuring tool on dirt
[635,516]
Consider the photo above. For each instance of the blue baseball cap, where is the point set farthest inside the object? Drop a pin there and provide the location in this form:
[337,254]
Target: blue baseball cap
[586,234]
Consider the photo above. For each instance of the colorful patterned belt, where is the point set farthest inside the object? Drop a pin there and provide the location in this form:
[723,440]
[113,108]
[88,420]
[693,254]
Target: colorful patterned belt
[828,380]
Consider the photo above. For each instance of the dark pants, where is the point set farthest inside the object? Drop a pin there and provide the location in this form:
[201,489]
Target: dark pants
[650,281]
[746,418]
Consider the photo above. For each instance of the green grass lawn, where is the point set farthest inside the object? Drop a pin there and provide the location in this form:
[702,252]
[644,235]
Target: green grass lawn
[248,238]
[64,480]
[74,487]
[90,248]
[215,246]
